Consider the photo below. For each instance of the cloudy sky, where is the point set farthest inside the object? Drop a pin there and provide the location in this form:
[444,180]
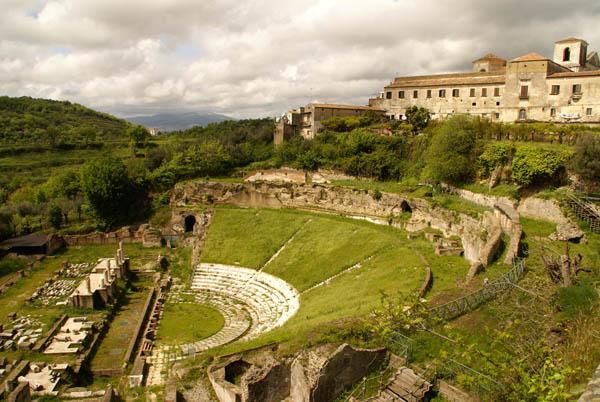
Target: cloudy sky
[260,57]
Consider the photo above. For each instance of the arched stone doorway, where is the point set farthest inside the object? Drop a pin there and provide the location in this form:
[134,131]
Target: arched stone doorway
[405,207]
[189,223]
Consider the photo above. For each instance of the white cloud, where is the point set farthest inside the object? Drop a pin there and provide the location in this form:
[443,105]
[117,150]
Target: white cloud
[261,57]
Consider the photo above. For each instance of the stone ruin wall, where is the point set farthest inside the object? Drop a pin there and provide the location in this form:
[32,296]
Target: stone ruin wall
[479,236]
[314,375]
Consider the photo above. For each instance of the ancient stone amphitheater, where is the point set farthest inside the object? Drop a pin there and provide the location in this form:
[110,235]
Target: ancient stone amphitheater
[252,302]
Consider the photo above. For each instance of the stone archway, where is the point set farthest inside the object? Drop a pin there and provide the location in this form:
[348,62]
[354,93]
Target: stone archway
[405,207]
[188,223]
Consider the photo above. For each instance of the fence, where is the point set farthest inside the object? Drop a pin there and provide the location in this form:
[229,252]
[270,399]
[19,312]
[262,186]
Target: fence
[470,302]
[582,208]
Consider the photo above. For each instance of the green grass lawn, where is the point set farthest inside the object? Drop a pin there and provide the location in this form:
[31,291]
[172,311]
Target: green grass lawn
[249,237]
[188,322]
[324,246]
[111,353]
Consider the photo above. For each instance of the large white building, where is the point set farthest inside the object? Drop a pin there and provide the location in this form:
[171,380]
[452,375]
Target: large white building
[565,88]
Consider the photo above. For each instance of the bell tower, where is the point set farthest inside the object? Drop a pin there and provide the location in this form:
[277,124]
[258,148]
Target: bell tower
[571,53]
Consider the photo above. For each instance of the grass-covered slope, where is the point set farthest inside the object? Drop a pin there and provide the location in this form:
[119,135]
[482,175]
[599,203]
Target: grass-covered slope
[26,120]
[321,247]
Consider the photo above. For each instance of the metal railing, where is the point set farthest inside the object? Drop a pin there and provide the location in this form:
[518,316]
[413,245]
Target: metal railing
[584,211]
[470,302]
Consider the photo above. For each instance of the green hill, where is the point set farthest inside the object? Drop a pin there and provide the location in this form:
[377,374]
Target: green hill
[43,121]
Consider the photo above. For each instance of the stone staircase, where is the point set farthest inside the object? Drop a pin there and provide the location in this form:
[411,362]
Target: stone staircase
[405,386]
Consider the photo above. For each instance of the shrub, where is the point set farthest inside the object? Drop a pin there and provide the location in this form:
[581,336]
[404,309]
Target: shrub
[586,159]
[418,118]
[495,154]
[534,165]
[451,155]
[55,216]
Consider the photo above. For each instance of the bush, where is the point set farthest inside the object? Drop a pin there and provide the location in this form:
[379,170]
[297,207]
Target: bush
[55,216]
[495,154]
[586,159]
[534,165]
[452,153]
[418,118]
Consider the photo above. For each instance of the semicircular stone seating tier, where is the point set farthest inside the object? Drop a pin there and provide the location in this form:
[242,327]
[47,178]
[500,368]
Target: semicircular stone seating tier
[252,302]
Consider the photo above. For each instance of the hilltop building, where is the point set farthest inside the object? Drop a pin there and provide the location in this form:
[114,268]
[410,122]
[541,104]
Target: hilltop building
[530,87]
[306,121]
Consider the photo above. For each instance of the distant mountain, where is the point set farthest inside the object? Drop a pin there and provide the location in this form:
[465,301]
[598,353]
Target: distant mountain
[178,121]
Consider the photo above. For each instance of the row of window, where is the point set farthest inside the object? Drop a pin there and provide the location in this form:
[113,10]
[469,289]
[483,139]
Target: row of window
[442,93]
[588,112]
[484,92]
[556,89]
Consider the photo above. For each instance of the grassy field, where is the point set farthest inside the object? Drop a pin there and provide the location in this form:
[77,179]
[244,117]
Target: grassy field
[111,353]
[14,299]
[323,246]
[188,322]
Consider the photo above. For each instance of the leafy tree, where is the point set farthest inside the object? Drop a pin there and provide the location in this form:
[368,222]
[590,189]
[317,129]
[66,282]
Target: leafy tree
[452,153]
[55,216]
[586,160]
[418,118]
[138,136]
[310,160]
[107,188]
[535,165]
[65,183]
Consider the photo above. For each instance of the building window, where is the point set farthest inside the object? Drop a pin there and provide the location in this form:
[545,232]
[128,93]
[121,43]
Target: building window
[474,104]
[472,94]
[484,92]
[455,93]
[415,94]
[555,90]
[429,93]
[588,111]
[388,95]
[497,103]
[553,112]
[524,92]
[522,114]
[442,93]
[496,91]
[567,54]
[401,94]
[577,89]
[497,115]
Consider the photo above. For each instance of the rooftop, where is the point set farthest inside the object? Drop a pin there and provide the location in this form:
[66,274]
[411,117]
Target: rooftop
[490,56]
[339,106]
[531,57]
[476,78]
[571,40]
[30,240]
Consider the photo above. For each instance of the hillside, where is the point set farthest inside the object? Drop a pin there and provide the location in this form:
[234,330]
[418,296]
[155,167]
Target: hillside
[178,121]
[30,120]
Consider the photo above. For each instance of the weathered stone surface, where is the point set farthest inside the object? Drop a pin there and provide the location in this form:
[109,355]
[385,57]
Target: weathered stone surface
[592,391]
[320,375]
[474,233]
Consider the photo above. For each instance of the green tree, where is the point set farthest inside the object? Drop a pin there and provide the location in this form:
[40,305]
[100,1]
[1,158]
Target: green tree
[107,188]
[138,136]
[55,216]
[586,160]
[418,118]
[452,154]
